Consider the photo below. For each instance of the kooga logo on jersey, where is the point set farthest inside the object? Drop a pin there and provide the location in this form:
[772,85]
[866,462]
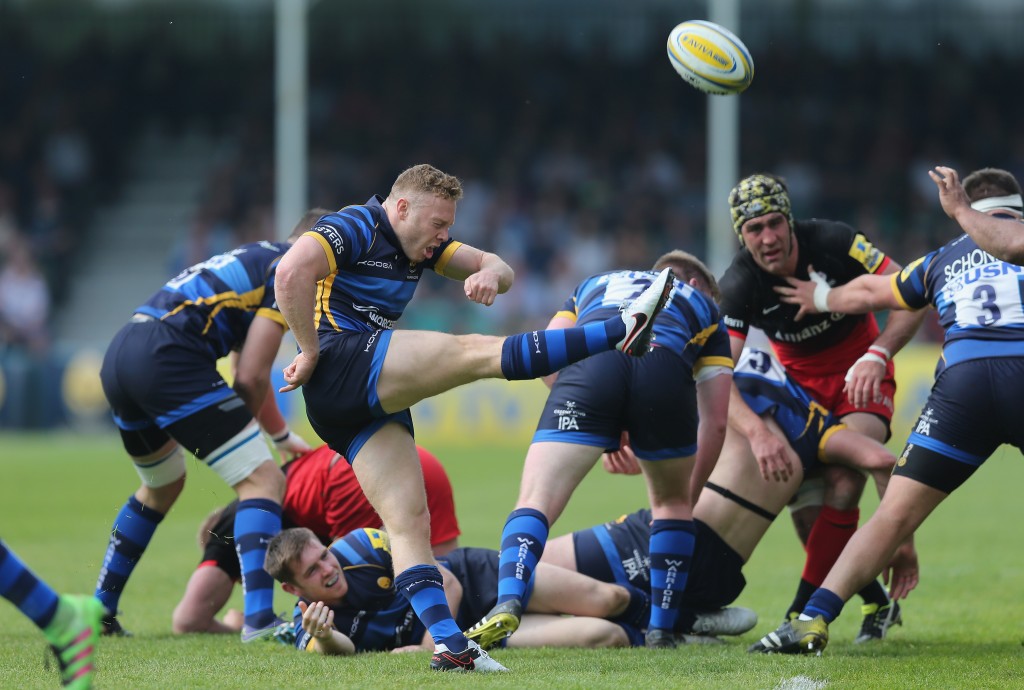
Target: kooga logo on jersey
[375,264]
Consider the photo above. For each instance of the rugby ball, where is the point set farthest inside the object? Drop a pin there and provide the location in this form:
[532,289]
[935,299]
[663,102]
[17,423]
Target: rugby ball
[710,57]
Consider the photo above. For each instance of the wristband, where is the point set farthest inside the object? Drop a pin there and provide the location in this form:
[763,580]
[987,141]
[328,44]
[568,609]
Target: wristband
[881,352]
[821,290]
[868,356]
[282,437]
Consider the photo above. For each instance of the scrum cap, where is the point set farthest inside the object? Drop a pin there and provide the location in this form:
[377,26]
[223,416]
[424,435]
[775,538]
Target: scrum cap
[755,196]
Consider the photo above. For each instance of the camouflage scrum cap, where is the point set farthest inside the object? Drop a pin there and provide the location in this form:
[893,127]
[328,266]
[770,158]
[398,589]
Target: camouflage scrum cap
[755,196]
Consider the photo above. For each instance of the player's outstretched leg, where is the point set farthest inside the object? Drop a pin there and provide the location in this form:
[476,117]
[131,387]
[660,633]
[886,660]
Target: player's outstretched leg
[639,315]
[794,637]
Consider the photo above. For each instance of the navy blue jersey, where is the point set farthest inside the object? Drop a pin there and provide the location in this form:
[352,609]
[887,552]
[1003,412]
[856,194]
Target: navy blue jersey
[371,280]
[689,325]
[980,300]
[218,298]
[764,386]
[373,614]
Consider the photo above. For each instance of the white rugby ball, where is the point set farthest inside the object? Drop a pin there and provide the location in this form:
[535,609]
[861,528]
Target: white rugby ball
[710,57]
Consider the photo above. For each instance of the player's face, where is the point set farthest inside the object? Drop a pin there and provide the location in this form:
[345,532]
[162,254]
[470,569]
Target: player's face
[423,225]
[318,574]
[770,242]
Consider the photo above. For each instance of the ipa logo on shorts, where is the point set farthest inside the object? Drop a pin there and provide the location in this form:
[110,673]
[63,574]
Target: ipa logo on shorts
[567,416]
[925,421]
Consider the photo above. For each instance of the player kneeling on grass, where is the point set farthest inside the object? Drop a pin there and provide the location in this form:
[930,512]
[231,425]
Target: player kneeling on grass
[349,587]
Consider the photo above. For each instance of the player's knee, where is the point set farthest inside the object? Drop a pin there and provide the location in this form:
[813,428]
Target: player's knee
[608,635]
[880,459]
[844,488]
[186,619]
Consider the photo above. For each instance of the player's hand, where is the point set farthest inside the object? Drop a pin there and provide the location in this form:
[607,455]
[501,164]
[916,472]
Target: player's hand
[864,380]
[482,287]
[621,461]
[802,292]
[902,573]
[291,446]
[952,195]
[299,371]
[317,619]
[773,456]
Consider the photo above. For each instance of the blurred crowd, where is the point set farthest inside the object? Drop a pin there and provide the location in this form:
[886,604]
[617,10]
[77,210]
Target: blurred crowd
[572,163]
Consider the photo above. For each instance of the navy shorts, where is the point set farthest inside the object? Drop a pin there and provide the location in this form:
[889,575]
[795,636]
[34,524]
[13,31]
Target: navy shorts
[653,398]
[974,407]
[162,382]
[341,397]
[619,552]
[477,570]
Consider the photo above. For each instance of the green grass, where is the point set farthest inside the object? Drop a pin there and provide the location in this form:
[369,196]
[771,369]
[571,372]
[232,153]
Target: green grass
[964,624]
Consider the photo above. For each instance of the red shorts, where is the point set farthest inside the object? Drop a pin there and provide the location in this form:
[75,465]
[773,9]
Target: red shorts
[828,390]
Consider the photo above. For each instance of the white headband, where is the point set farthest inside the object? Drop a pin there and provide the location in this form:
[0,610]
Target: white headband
[1011,202]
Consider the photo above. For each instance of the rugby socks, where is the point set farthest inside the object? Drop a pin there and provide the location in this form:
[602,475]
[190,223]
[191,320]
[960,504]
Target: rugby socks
[803,594]
[256,522]
[672,543]
[874,593]
[522,544]
[133,528]
[539,353]
[20,586]
[825,603]
[423,587]
[828,537]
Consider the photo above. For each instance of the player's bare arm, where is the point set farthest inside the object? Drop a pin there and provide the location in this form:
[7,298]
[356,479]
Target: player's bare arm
[485,274]
[773,453]
[865,377]
[863,294]
[300,269]
[1003,238]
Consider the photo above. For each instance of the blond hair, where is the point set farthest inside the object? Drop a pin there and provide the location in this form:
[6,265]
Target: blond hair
[284,550]
[686,267]
[426,179]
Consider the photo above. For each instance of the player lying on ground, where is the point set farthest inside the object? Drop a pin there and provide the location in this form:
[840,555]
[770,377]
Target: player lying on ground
[322,494]
[737,506]
[350,587]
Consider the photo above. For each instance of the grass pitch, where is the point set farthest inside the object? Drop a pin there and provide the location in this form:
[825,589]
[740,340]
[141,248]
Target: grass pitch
[964,624]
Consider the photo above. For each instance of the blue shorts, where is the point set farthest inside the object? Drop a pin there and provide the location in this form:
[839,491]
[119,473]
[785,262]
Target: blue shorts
[341,396]
[974,407]
[161,383]
[653,398]
[619,552]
